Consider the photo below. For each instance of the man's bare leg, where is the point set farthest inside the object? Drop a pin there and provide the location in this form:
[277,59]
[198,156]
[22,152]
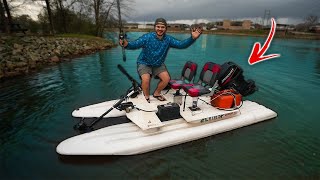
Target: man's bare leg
[145,85]
[164,80]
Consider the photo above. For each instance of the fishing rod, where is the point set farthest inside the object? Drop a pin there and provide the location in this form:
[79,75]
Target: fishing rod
[135,84]
[122,35]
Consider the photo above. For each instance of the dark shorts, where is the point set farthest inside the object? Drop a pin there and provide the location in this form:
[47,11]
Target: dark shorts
[154,71]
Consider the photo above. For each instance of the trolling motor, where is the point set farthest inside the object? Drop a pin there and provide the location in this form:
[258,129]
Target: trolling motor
[132,92]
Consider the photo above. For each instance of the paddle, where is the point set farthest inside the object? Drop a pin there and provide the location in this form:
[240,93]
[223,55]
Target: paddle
[122,35]
[83,127]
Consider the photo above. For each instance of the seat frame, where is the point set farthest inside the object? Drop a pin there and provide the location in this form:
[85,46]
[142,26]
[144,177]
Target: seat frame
[212,85]
[188,65]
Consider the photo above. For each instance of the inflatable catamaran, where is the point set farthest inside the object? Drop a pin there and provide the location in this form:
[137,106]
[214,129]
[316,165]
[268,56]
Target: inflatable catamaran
[132,125]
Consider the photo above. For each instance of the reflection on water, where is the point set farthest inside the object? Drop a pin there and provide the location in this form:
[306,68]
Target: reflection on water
[204,42]
[87,160]
[317,61]
[35,115]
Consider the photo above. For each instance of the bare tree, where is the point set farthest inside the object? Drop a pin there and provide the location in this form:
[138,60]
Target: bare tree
[98,7]
[103,16]
[3,19]
[7,8]
[107,9]
[8,20]
[311,20]
[50,16]
[62,7]
[2,15]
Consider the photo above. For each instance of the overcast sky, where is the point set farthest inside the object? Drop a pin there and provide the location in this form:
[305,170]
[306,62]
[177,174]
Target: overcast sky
[287,11]
[197,11]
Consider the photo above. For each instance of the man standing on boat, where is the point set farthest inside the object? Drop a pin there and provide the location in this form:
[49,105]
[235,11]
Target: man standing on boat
[155,46]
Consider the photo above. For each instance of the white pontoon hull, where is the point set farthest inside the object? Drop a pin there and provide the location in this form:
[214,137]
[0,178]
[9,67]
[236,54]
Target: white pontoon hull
[129,139]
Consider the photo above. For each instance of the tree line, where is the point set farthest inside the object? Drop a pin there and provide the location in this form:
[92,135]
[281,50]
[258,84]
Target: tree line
[66,16]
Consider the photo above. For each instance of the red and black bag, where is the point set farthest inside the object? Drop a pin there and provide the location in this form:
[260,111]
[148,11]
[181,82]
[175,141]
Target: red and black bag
[226,99]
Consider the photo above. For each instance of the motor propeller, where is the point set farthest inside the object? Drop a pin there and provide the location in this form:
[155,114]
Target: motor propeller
[82,127]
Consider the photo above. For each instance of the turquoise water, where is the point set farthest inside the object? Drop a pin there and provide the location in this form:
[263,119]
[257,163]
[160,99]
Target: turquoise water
[36,111]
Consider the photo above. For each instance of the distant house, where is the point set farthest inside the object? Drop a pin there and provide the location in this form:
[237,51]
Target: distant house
[174,27]
[285,27]
[219,25]
[145,26]
[234,25]
[131,25]
[315,29]
[203,25]
[256,26]
[177,27]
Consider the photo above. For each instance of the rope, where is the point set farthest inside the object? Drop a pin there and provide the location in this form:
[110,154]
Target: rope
[143,109]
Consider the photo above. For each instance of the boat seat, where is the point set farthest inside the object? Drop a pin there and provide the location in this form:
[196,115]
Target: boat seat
[206,84]
[187,76]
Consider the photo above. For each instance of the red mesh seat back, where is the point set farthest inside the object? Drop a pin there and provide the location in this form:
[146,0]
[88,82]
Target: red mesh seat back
[209,74]
[207,79]
[188,72]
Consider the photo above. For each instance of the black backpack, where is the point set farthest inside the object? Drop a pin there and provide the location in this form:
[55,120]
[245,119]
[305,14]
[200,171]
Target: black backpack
[231,77]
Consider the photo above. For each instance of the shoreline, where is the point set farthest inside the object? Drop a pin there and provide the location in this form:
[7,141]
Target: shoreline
[27,54]
[252,33]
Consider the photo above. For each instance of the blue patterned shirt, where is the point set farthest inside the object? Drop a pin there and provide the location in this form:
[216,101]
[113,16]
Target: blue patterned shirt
[154,50]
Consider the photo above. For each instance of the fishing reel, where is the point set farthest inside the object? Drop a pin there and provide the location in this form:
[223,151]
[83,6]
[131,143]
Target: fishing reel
[137,89]
[127,106]
[122,35]
[135,94]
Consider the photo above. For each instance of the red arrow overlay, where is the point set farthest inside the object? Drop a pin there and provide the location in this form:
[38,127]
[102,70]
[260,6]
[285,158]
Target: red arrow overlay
[257,53]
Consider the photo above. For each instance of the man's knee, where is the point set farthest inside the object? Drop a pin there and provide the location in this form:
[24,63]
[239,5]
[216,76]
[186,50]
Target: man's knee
[165,77]
[145,78]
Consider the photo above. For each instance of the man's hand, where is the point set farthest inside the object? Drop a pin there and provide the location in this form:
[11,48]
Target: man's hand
[123,43]
[196,32]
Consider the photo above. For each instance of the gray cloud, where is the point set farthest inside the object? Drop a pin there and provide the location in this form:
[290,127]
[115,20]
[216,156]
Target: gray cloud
[147,10]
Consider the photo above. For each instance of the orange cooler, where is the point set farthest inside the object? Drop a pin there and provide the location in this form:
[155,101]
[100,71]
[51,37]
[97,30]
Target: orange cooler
[225,100]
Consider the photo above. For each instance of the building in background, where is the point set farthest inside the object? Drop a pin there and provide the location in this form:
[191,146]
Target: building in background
[177,27]
[145,26]
[234,25]
[315,29]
